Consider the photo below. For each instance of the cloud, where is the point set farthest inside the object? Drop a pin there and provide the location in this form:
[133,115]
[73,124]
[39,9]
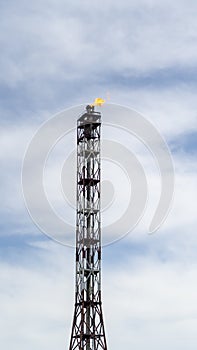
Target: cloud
[15,140]
[33,302]
[156,303]
[142,298]
[54,55]
[68,42]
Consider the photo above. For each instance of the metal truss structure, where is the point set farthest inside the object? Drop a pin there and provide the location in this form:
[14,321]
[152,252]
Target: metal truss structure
[88,328]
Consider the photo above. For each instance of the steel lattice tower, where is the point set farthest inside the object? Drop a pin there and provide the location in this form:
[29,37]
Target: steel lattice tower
[88,328]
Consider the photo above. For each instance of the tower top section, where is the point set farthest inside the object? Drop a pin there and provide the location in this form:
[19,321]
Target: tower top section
[90,116]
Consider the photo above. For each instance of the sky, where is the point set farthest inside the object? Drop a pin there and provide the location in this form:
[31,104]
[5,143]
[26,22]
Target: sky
[141,54]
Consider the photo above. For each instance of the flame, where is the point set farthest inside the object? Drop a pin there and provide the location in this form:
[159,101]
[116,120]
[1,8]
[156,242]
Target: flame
[98,102]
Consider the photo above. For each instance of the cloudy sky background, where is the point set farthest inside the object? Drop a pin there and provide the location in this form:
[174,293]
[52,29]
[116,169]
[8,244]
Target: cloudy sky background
[55,55]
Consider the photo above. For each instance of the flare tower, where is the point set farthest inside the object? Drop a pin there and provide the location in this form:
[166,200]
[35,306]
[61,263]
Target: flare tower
[88,331]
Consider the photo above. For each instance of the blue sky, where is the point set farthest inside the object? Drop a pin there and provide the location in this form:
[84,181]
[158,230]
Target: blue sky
[55,55]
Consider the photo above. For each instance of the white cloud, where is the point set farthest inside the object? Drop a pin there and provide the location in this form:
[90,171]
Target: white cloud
[15,140]
[54,39]
[150,303]
[77,51]
[35,303]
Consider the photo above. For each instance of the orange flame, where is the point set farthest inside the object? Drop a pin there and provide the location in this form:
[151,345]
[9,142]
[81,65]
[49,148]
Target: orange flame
[98,102]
